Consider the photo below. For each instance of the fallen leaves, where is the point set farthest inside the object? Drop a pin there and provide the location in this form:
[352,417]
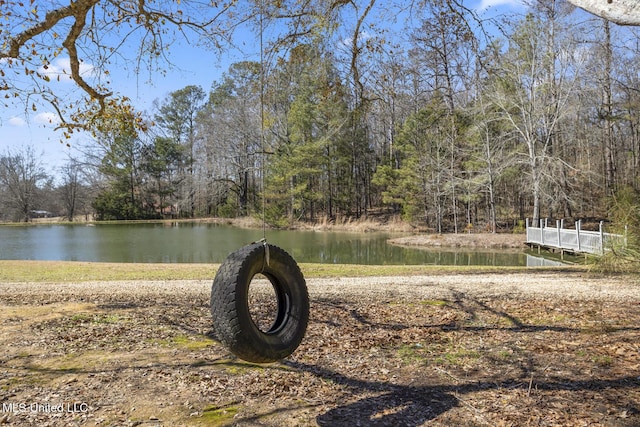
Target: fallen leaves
[374,361]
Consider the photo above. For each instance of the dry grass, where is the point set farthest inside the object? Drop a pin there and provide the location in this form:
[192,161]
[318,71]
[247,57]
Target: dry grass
[358,225]
[391,223]
[78,271]
[464,240]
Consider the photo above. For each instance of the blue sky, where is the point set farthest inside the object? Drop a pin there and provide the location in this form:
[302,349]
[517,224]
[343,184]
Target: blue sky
[194,66]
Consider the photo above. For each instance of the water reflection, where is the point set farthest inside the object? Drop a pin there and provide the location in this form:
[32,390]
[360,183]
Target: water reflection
[536,261]
[184,242]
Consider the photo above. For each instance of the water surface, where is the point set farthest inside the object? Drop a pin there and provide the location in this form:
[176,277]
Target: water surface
[185,242]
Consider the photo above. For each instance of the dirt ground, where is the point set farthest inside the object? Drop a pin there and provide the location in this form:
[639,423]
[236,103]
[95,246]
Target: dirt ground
[466,240]
[545,348]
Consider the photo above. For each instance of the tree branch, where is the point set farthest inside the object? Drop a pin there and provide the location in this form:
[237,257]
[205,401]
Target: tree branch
[80,10]
[51,19]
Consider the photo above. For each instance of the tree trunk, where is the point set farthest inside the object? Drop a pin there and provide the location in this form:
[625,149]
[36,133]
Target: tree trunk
[623,12]
[608,140]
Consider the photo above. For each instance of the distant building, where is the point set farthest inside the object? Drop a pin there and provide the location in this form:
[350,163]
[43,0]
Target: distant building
[41,214]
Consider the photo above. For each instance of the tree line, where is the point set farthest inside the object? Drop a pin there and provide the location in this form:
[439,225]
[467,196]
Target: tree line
[449,127]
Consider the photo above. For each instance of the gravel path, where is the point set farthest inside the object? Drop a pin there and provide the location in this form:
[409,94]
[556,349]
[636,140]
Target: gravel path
[538,285]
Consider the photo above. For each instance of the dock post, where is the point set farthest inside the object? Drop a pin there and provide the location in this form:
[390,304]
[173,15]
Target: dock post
[578,234]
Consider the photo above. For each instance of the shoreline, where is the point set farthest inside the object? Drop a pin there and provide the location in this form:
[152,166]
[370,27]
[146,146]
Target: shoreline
[392,223]
[463,240]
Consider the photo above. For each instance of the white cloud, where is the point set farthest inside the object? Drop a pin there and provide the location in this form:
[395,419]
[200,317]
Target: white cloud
[485,4]
[17,121]
[348,41]
[60,69]
[46,118]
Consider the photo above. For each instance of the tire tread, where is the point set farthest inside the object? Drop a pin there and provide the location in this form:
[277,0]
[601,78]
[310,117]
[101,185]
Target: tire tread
[226,308]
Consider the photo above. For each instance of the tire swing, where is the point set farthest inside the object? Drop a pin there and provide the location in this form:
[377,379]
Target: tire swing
[233,322]
[247,337]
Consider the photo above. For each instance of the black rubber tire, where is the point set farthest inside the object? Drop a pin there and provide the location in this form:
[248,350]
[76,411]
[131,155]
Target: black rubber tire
[232,322]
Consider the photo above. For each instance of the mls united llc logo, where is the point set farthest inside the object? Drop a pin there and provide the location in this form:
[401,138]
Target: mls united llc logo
[46,408]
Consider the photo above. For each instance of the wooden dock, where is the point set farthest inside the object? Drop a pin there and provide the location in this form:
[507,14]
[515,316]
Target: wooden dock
[575,240]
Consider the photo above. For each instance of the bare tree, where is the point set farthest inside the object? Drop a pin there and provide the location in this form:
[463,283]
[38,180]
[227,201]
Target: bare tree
[72,192]
[230,135]
[441,40]
[177,118]
[21,174]
[491,154]
[533,90]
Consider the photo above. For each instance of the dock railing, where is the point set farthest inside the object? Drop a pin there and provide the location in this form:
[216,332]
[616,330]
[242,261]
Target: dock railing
[573,240]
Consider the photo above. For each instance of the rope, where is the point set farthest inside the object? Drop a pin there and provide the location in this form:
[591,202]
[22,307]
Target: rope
[262,130]
[263,241]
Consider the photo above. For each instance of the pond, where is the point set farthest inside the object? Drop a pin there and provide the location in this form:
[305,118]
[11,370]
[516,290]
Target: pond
[187,242]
